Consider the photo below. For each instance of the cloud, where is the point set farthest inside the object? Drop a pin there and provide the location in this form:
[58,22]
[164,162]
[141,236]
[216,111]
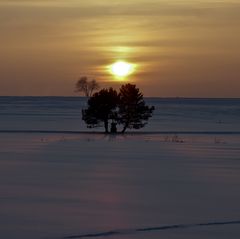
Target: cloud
[41,37]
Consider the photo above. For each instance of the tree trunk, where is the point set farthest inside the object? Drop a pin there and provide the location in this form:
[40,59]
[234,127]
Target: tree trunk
[124,128]
[106,126]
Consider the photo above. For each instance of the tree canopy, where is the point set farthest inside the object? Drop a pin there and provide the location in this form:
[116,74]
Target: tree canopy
[126,108]
[133,111]
[101,108]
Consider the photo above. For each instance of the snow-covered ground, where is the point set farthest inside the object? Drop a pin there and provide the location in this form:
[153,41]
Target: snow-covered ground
[64,113]
[134,186]
[55,186]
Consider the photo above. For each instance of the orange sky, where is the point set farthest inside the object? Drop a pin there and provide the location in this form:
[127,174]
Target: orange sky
[181,47]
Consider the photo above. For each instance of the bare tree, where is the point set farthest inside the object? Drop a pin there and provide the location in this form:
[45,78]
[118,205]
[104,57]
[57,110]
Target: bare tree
[87,87]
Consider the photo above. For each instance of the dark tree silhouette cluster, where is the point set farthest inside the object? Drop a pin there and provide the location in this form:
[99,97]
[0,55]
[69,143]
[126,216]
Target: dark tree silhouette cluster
[126,108]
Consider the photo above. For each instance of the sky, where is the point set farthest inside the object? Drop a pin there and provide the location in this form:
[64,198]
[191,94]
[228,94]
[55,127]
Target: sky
[180,48]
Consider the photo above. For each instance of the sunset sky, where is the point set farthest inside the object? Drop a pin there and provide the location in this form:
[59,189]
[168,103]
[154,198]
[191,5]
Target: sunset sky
[179,48]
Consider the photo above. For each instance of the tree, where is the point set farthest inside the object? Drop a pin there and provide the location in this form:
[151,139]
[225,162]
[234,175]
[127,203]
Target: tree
[101,108]
[133,111]
[126,108]
[86,86]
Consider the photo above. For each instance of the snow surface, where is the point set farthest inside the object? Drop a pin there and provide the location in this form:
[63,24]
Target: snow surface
[56,186]
[134,186]
[64,113]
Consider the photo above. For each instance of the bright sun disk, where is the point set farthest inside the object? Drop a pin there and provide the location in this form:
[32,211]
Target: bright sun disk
[121,69]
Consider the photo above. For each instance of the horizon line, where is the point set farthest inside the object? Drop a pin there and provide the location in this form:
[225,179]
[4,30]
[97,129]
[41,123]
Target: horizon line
[79,96]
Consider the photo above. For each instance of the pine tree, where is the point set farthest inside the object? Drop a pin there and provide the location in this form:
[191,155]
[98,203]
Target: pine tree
[133,111]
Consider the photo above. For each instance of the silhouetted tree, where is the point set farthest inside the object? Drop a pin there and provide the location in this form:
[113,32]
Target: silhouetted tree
[101,108]
[127,108]
[133,111]
[86,86]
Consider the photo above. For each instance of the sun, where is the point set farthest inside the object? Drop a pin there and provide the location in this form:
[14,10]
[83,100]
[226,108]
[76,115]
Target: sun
[121,68]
